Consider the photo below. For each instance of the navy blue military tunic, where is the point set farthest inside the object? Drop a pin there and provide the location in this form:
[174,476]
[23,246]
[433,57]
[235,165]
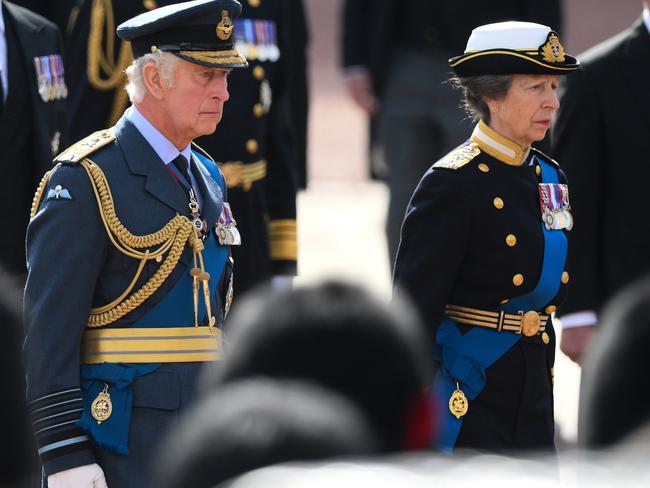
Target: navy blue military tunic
[74,267]
[473,237]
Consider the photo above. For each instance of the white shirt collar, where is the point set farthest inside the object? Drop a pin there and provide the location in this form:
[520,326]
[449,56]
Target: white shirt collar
[163,146]
[2,18]
[646,18]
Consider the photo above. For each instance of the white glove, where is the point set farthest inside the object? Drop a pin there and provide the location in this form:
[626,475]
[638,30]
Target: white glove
[88,476]
[281,283]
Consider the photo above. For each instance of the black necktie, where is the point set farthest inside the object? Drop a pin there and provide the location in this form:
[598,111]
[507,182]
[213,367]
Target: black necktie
[183,166]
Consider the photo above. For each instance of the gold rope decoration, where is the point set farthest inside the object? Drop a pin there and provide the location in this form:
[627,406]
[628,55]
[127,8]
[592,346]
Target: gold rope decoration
[38,196]
[102,71]
[171,239]
[173,236]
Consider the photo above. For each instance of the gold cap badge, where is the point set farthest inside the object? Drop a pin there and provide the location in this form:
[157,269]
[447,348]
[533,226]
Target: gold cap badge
[552,51]
[224,28]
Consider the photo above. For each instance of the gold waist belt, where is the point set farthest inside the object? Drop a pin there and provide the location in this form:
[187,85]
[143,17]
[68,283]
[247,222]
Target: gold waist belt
[243,174]
[151,345]
[527,323]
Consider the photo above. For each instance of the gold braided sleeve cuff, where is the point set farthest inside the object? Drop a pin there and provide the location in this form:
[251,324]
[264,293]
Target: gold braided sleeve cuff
[283,240]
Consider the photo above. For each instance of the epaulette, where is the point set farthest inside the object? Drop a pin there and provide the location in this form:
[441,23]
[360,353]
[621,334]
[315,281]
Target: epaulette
[545,157]
[202,151]
[86,146]
[459,157]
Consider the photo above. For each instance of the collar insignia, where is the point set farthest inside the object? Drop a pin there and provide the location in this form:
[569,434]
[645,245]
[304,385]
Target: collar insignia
[552,51]
[224,27]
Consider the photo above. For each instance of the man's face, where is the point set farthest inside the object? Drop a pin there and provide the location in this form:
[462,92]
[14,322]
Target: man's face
[194,102]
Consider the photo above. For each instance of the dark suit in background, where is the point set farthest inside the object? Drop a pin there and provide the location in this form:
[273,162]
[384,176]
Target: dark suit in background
[405,46]
[31,127]
[603,118]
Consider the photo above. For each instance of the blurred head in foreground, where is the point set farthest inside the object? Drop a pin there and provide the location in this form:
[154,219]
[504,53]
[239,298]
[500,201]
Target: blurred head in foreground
[260,422]
[340,337]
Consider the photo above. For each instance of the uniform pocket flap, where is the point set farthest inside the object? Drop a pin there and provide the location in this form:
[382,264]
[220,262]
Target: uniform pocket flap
[160,389]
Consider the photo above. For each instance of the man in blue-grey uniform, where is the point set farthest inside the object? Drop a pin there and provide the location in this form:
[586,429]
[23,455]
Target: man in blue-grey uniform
[128,252]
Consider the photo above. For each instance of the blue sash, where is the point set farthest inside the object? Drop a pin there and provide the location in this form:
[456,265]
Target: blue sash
[113,433]
[465,358]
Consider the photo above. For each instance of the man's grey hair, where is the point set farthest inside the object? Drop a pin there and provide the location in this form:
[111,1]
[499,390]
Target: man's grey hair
[135,87]
[478,89]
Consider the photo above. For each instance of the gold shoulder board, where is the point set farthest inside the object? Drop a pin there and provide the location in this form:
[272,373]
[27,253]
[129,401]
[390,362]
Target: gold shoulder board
[459,157]
[86,146]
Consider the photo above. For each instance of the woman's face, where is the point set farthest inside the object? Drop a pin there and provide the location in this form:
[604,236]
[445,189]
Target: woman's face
[525,113]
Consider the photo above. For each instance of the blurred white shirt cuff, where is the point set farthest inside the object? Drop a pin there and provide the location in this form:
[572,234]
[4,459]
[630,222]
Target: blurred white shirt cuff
[579,319]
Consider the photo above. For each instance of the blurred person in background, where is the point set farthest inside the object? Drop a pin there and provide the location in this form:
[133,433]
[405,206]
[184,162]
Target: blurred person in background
[394,57]
[339,337]
[32,101]
[259,143]
[484,246]
[253,423]
[17,456]
[615,389]
[602,116]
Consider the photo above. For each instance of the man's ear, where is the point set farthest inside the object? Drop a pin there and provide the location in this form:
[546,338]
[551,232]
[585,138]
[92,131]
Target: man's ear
[153,81]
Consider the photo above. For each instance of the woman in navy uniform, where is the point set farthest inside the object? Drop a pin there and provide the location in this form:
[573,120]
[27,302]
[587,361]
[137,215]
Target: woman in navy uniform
[483,249]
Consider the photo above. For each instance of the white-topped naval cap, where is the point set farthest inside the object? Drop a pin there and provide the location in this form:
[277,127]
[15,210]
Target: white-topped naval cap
[511,48]
[520,36]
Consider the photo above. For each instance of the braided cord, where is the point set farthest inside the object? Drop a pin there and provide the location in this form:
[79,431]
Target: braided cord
[173,237]
[100,61]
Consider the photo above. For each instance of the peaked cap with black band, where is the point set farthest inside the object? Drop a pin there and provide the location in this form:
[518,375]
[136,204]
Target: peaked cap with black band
[200,32]
[513,48]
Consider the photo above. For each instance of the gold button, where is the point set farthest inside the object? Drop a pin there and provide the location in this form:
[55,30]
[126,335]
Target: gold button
[550,309]
[545,338]
[252,146]
[498,203]
[518,279]
[505,300]
[484,167]
[154,49]
[254,3]
[258,110]
[511,240]
[538,170]
[159,259]
[258,73]
[565,277]
[149,4]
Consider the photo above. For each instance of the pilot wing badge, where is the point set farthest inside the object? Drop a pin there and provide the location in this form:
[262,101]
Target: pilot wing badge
[58,193]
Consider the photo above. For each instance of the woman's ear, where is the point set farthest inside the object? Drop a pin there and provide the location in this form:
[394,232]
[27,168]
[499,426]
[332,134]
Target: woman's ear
[153,80]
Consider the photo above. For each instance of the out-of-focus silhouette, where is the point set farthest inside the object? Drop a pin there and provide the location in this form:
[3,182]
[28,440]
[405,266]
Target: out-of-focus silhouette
[340,337]
[254,423]
[615,389]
